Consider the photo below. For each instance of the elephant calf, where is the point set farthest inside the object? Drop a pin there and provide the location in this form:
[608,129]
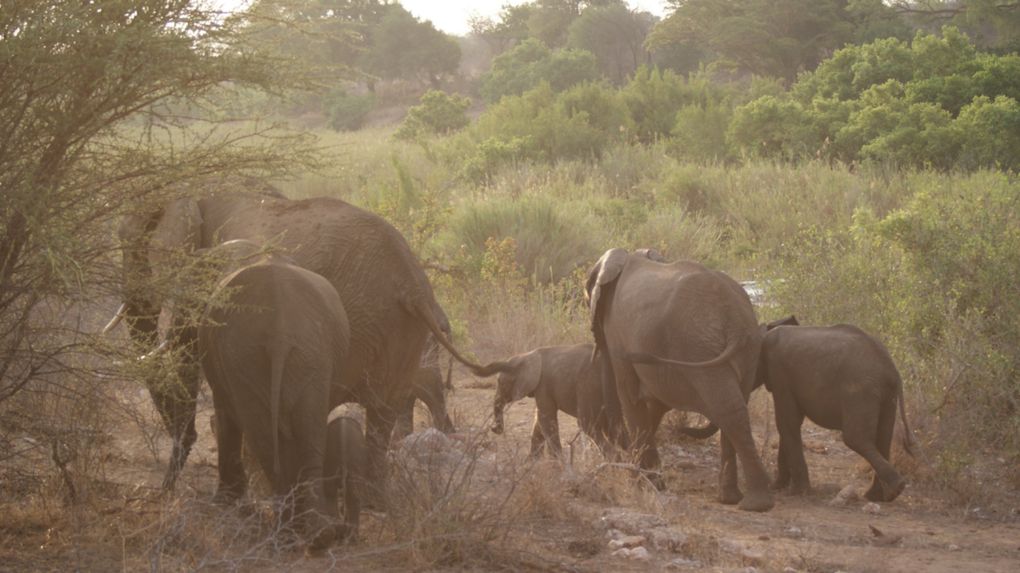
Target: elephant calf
[560,378]
[842,379]
[343,470]
[270,353]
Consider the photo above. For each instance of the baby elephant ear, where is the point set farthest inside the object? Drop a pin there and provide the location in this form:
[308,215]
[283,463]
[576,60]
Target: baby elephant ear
[651,254]
[605,271]
[528,374]
[786,321]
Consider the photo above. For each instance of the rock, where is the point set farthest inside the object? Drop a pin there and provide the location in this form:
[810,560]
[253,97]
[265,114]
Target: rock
[953,547]
[789,569]
[614,534]
[628,541]
[667,539]
[637,553]
[845,496]
[683,563]
[750,555]
[793,532]
[871,507]
[630,522]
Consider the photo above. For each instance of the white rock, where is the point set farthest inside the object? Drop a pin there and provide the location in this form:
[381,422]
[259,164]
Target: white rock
[637,553]
[684,563]
[871,507]
[953,547]
[794,532]
[628,541]
[667,539]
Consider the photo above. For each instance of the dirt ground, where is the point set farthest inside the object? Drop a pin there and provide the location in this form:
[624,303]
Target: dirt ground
[578,527]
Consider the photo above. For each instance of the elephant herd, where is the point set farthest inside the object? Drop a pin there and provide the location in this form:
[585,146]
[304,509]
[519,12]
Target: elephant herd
[319,303]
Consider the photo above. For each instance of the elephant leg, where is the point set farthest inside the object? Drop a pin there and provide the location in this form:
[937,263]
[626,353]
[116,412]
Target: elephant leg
[537,437]
[792,465]
[232,479]
[726,408]
[379,421]
[303,457]
[176,402]
[352,507]
[860,433]
[550,428]
[404,424]
[888,490]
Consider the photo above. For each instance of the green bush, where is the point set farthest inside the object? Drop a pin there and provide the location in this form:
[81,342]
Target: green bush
[773,127]
[439,113]
[346,112]
[530,63]
[989,131]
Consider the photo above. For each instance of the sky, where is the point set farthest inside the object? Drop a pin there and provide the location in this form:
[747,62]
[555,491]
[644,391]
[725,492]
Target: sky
[451,16]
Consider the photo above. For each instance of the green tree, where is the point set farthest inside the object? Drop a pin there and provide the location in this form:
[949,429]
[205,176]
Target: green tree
[438,113]
[615,35]
[531,63]
[777,38]
[401,46]
[105,111]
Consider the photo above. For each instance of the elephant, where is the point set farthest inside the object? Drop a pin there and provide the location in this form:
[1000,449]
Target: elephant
[388,298]
[430,388]
[678,336]
[560,378]
[271,343]
[344,470]
[841,378]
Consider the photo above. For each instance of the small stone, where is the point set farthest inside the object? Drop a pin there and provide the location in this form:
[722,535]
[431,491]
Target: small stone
[667,539]
[794,532]
[628,541]
[683,563]
[953,547]
[789,570]
[614,534]
[845,496]
[871,507]
[749,555]
[637,553]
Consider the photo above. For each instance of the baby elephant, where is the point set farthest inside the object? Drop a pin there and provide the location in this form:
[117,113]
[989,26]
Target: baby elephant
[343,470]
[561,378]
[842,379]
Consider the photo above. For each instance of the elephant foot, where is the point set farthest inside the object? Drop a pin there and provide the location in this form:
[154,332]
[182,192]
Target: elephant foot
[757,501]
[779,484]
[730,496]
[879,492]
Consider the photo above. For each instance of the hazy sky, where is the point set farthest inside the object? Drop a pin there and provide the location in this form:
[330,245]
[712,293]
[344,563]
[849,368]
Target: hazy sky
[451,16]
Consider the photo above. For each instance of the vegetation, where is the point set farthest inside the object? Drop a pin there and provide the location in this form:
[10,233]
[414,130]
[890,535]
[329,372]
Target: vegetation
[858,159]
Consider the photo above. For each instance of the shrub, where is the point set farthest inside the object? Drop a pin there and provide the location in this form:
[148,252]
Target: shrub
[530,63]
[346,112]
[773,127]
[439,113]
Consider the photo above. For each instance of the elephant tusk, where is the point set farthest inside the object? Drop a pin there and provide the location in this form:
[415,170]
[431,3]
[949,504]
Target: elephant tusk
[116,318]
[156,351]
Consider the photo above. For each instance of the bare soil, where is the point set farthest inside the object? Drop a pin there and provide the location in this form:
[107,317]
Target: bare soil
[571,528]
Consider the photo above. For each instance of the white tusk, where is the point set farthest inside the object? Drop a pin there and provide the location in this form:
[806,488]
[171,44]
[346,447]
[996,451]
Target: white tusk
[116,318]
[158,350]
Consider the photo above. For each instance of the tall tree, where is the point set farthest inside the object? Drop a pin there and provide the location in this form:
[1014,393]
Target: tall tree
[401,46]
[615,34]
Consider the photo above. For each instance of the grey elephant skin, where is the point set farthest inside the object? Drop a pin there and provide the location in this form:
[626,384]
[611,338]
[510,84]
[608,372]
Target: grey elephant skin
[271,347]
[561,379]
[678,336]
[430,388]
[344,472]
[387,295]
[841,378]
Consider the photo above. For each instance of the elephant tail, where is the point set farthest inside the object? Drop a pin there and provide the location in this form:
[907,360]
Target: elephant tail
[428,317]
[907,441]
[702,433]
[492,368]
[277,358]
[731,348]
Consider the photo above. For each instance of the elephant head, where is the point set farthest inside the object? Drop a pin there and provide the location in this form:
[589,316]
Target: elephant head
[518,377]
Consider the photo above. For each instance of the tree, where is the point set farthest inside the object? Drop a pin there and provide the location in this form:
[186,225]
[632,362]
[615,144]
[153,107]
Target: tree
[102,112]
[615,35]
[994,24]
[777,38]
[531,63]
[403,47]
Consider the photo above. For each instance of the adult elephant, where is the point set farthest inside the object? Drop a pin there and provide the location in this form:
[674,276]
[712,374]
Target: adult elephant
[389,301]
[701,322]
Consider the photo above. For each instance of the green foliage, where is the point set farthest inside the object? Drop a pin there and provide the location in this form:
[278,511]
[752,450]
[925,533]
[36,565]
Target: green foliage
[550,240]
[530,63]
[990,133]
[773,127]
[579,123]
[346,111]
[401,46]
[439,113]
[615,35]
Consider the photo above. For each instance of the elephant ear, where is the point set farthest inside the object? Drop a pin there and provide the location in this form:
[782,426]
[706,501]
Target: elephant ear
[527,375]
[605,271]
[178,228]
[786,321]
[651,254]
